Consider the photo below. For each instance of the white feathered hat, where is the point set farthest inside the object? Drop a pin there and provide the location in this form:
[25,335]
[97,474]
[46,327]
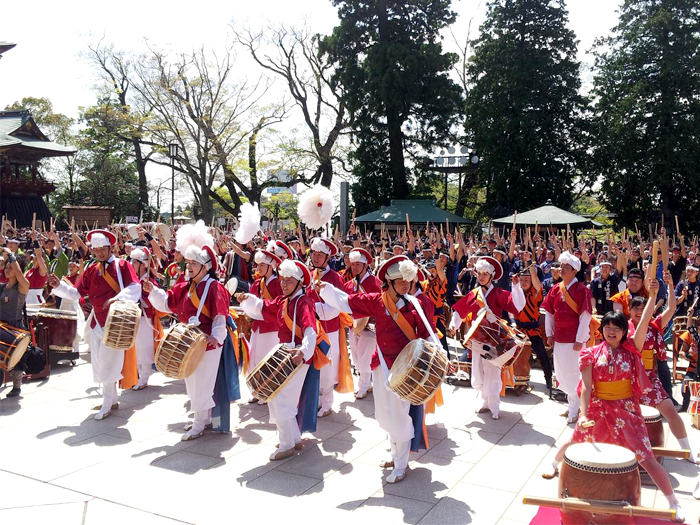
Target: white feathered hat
[248,223]
[195,243]
[316,207]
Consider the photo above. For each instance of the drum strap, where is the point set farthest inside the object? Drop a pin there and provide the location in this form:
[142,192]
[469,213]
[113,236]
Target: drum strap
[199,305]
[416,304]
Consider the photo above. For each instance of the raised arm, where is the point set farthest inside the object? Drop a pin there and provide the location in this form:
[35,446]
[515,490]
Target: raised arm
[640,334]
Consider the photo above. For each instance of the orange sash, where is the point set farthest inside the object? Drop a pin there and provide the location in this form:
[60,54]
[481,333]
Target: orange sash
[319,359]
[266,295]
[594,323]
[195,300]
[110,280]
[239,343]
[398,317]
[345,383]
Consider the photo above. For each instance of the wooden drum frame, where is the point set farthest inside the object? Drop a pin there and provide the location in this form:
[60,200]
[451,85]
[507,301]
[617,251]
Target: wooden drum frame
[180,351]
[13,343]
[272,373]
[121,325]
[418,371]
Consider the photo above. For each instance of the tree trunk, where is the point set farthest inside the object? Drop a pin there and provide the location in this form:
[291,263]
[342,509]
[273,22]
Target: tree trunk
[253,165]
[326,168]
[143,182]
[393,120]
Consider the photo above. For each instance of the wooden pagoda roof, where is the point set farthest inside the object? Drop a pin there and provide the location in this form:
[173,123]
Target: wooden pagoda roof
[19,133]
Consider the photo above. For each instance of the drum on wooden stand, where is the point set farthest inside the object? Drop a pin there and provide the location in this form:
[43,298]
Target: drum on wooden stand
[522,367]
[13,343]
[654,424]
[418,371]
[62,325]
[599,471]
[495,340]
[180,351]
[271,374]
[121,325]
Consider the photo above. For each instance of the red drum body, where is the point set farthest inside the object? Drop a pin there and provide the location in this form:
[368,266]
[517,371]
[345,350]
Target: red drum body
[13,343]
[62,325]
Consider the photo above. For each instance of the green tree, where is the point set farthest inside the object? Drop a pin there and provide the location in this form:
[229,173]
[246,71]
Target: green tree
[647,119]
[390,62]
[524,107]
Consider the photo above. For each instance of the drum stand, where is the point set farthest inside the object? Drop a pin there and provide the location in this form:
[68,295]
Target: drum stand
[41,333]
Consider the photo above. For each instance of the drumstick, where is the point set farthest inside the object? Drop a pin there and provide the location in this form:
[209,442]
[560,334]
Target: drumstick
[670,453]
[678,228]
[602,507]
[588,424]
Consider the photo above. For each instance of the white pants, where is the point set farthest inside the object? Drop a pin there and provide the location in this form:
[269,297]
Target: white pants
[145,350]
[362,347]
[391,412]
[106,362]
[35,296]
[260,346]
[486,379]
[74,306]
[568,374]
[200,385]
[284,407]
[329,373]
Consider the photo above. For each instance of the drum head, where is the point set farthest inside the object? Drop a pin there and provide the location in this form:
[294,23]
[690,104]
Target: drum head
[404,362]
[194,357]
[55,313]
[600,455]
[22,344]
[650,413]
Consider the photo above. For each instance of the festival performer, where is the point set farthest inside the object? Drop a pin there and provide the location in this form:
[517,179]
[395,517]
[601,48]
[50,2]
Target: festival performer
[150,329]
[322,250]
[106,280]
[280,249]
[37,274]
[603,288]
[363,338]
[635,287]
[435,293]
[202,302]
[75,267]
[266,287]
[612,382]
[528,320]
[397,323]
[653,351]
[294,314]
[13,294]
[176,271]
[567,324]
[486,377]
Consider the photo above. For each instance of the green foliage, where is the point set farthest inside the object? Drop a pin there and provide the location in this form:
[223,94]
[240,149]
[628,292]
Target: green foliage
[647,119]
[524,108]
[55,126]
[390,63]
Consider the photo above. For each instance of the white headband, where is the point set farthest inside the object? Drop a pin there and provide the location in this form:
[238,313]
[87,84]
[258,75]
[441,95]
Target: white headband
[485,266]
[288,268]
[357,257]
[99,240]
[317,245]
[571,260]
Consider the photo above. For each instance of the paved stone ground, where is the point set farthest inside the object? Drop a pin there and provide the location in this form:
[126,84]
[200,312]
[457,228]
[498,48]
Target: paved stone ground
[60,466]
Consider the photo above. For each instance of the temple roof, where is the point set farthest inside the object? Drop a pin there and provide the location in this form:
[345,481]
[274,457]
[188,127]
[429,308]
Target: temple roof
[5,46]
[418,211]
[18,130]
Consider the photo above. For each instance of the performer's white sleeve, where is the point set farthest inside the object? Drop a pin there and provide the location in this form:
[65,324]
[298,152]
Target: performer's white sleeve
[325,311]
[130,293]
[549,324]
[159,300]
[456,321]
[308,343]
[617,307]
[66,291]
[584,330]
[218,329]
[621,287]
[252,306]
[518,297]
[335,298]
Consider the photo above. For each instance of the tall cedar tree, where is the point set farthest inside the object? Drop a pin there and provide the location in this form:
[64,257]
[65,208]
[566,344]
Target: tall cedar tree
[390,62]
[524,108]
[647,120]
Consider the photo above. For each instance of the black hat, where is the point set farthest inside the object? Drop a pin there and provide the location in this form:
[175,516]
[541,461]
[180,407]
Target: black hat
[291,238]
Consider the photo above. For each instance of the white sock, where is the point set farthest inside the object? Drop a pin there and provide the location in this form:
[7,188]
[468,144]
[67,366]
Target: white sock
[685,444]
[672,499]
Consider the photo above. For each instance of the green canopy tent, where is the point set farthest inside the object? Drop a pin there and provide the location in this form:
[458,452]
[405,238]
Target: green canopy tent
[548,215]
[419,213]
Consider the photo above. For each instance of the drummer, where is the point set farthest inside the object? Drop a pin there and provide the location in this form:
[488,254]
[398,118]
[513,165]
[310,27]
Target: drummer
[37,274]
[267,287]
[13,295]
[295,316]
[106,280]
[202,302]
[397,324]
[363,341]
[612,382]
[654,350]
[486,378]
[146,336]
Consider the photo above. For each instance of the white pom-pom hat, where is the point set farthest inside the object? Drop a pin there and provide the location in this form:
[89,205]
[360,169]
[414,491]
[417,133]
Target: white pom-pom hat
[280,249]
[397,267]
[248,223]
[359,255]
[296,270]
[204,256]
[490,265]
[267,257]
[321,244]
[101,238]
[570,259]
[316,207]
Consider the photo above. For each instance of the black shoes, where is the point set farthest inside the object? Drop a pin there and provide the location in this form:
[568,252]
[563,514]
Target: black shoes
[14,392]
